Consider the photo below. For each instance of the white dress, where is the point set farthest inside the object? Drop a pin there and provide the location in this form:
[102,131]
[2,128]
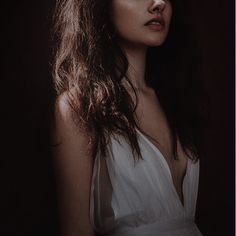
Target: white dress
[131,198]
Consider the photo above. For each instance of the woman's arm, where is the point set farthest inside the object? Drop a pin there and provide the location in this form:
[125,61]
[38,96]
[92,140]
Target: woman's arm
[73,166]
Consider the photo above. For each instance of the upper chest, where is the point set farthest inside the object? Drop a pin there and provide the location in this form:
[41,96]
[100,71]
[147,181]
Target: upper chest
[152,120]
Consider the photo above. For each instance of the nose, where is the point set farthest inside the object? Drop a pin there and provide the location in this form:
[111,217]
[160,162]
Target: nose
[157,5]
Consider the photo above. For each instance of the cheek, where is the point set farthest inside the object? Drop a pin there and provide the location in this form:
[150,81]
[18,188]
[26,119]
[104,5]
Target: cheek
[123,16]
[118,13]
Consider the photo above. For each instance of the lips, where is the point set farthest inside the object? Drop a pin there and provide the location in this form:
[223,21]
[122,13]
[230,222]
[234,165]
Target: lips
[158,20]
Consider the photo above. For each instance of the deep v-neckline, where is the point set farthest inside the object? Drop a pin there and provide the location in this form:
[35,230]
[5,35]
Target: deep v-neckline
[164,161]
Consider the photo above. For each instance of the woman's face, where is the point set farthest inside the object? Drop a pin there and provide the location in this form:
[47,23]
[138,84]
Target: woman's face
[141,22]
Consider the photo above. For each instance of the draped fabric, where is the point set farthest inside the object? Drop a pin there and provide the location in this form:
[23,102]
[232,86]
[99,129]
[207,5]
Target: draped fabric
[138,198]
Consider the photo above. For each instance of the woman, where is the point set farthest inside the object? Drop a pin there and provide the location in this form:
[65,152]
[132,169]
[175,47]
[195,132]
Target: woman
[126,161]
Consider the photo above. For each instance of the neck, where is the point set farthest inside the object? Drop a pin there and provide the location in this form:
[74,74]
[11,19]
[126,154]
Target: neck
[136,70]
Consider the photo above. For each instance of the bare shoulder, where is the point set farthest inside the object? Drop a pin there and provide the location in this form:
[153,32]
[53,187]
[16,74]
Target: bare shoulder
[68,137]
[65,127]
[62,107]
[63,111]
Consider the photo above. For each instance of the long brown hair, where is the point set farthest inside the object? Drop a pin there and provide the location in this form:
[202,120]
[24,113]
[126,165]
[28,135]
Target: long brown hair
[89,66]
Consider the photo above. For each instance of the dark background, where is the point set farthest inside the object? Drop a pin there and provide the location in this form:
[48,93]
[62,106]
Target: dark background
[28,199]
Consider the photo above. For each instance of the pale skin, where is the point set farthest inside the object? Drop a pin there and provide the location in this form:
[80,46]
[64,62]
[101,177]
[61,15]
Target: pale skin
[74,156]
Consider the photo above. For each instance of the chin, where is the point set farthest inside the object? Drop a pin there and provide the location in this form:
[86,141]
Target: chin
[146,41]
[155,42]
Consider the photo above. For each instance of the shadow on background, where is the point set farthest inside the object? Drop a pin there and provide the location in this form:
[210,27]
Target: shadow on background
[214,26]
[28,194]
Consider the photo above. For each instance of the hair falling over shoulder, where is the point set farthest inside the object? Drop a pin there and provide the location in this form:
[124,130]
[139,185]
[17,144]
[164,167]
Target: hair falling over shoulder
[88,68]
[89,65]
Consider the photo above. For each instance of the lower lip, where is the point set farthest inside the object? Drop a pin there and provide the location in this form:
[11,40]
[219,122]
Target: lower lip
[155,27]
